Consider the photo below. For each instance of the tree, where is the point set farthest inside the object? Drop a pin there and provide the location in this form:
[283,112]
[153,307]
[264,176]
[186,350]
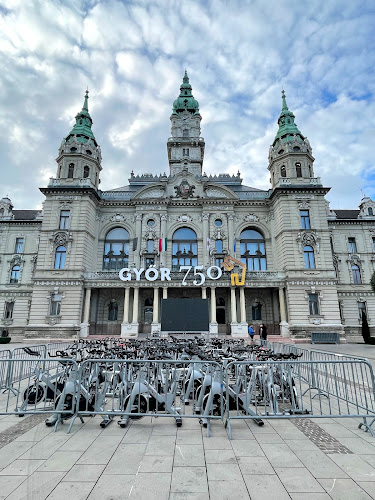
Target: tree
[365,328]
[372,281]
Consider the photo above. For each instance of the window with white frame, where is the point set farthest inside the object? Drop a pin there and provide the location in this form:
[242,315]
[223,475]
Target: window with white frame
[19,245]
[309,258]
[64,219]
[352,245]
[356,275]
[313,304]
[55,304]
[305,219]
[15,274]
[60,257]
[8,310]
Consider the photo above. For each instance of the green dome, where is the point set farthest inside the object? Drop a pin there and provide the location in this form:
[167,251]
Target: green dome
[82,129]
[185,101]
[287,128]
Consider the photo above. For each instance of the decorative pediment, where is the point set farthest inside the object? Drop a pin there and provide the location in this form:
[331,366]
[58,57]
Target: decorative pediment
[151,192]
[61,239]
[251,218]
[308,238]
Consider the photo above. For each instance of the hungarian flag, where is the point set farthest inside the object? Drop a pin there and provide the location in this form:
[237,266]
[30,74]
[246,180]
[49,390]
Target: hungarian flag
[162,245]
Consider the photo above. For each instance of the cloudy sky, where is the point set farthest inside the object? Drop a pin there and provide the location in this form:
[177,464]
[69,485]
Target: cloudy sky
[238,54]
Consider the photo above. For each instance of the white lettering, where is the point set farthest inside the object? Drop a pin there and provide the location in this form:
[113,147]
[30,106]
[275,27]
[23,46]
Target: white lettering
[151,270]
[185,268]
[138,273]
[165,274]
[219,272]
[202,280]
[128,276]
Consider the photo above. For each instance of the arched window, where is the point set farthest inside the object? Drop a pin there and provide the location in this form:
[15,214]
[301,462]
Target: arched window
[356,273]
[15,274]
[112,311]
[370,211]
[184,248]
[71,171]
[308,255]
[185,133]
[60,258]
[86,171]
[283,171]
[298,170]
[116,249]
[253,250]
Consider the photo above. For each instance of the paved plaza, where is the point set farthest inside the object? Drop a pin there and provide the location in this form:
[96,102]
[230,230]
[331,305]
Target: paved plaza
[153,459]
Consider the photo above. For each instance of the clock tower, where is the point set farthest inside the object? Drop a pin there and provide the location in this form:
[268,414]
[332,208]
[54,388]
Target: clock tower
[185,146]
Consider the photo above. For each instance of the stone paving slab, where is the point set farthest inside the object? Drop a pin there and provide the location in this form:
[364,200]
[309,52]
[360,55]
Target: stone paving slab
[152,458]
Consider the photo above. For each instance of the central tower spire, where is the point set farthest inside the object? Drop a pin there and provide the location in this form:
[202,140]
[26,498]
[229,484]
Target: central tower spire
[185,147]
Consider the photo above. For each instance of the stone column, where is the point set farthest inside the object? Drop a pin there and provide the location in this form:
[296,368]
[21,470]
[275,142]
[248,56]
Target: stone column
[213,322]
[284,327]
[163,234]
[230,234]
[132,330]
[125,325]
[84,327]
[233,305]
[138,235]
[165,293]
[204,292]
[126,305]
[155,325]
[242,305]
[206,254]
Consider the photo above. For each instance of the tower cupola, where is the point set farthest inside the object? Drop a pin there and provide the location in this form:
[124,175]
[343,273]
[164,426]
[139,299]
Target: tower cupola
[79,160]
[185,146]
[290,155]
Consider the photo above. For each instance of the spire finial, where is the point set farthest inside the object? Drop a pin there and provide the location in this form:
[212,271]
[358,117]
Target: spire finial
[285,106]
[85,103]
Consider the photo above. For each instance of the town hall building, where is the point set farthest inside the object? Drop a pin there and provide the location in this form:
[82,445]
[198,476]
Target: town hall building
[96,262]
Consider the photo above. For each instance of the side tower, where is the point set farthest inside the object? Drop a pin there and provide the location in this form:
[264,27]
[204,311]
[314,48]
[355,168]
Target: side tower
[185,147]
[308,301]
[68,237]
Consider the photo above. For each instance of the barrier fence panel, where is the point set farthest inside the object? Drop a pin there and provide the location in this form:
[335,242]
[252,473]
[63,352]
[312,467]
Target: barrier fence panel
[285,389]
[4,354]
[132,389]
[41,387]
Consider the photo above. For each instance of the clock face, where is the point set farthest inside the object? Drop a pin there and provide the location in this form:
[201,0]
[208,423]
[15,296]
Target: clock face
[184,118]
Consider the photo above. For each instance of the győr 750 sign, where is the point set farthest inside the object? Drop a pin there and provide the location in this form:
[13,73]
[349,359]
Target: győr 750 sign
[152,274]
[213,273]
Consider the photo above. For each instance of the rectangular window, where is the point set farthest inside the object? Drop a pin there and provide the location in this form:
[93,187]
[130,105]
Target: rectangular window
[313,304]
[305,219]
[352,245]
[8,312]
[64,219]
[19,245]
[361,309]
[373,244]
[219,246]
[150,246]
[55,306]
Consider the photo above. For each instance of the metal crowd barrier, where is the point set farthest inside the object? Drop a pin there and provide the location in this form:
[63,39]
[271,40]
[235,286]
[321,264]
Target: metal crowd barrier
[38,385]
[132,389]
[19,353]
[298,389]
[4,354]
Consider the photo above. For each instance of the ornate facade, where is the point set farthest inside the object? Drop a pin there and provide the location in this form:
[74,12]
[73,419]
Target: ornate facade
[100,262]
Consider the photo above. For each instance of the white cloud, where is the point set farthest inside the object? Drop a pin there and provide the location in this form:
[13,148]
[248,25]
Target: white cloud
[132,55]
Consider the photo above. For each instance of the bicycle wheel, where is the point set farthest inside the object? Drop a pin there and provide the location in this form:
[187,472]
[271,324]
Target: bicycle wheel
[34,394]
[139,406]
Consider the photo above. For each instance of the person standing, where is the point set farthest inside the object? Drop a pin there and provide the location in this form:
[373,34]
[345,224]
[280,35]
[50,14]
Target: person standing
[263,334]
[251,333]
